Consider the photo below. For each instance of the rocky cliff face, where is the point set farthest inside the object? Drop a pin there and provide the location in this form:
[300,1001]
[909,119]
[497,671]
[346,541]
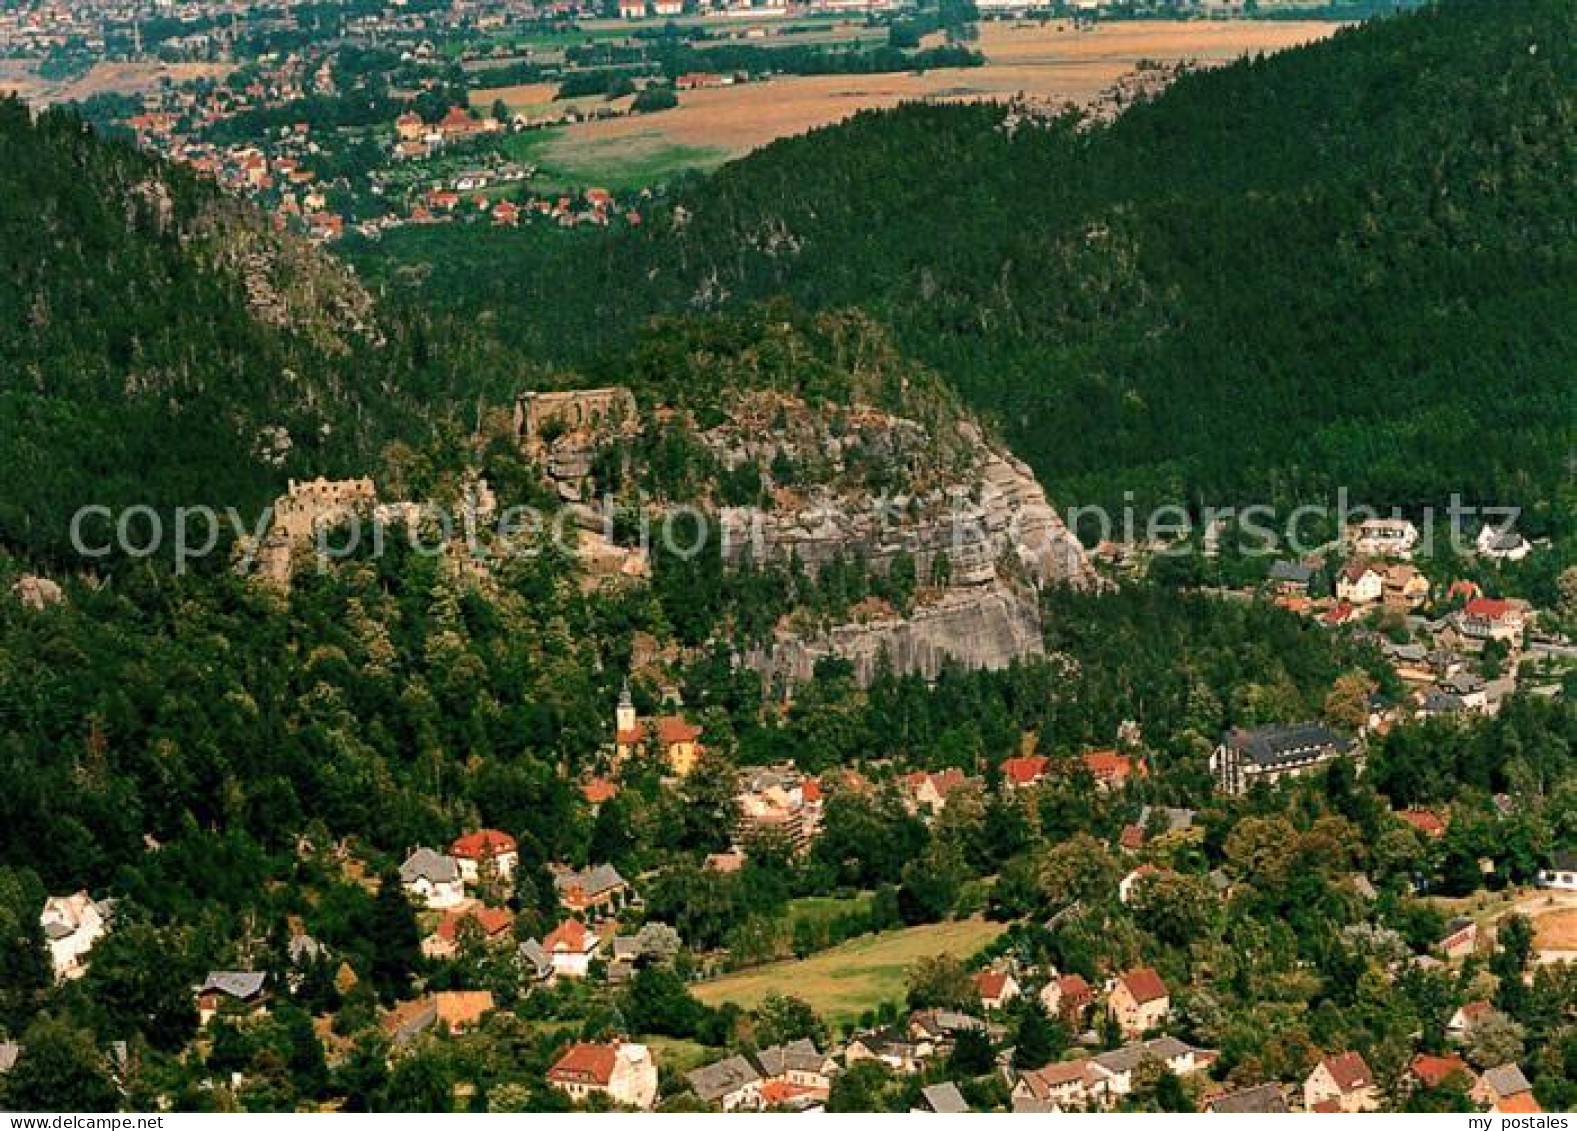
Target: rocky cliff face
[856,484]
[985,626]
[969,516]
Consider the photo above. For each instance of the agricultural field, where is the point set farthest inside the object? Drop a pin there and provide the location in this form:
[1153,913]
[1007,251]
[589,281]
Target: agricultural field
[1049,63]
[844,982]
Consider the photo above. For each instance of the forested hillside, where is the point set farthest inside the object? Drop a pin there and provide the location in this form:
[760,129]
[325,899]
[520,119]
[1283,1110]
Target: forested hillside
[1352,263]
[162,346]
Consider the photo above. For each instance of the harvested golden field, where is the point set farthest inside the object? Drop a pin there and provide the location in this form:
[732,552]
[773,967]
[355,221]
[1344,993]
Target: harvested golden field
[844,982]
[1050,63]
[1556,930]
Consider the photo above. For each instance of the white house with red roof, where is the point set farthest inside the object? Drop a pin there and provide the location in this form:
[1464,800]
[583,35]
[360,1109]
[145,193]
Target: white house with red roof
[570,947]
[625,1073]
[1138,1001]
[485,846]
[1487,618]
[1024,771]
[996,988]
[1341,1082]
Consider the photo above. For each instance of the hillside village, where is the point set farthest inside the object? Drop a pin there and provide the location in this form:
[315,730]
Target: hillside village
[893,796]
[611,959]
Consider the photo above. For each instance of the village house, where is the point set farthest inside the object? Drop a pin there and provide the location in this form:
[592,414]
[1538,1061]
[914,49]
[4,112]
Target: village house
[1262,1099]
[1561,872]
[1058,1087]
[571,947]
[941,1099]
[485,850]
[1461,938]
[795,1074]
[1460,1026]
[892,1046]
[1503,1085]
[996,988]
[940,1027]
[432,880]
[1115,1069]
[730,1084]
[778,804]
[927,793]
[533,961]
[625,1073]
[1155,820]
[1501,544]
[1485,618]
[1405,587]
[1359,583]
[1069,997]
[1138,1001]
[1385,538]
[1270,753]
[491,924]
[232,992]
[1426,1071]
[597,892]
[1341,1082]
[1112,770]
[72,924]
[1290,579]
[1024,772]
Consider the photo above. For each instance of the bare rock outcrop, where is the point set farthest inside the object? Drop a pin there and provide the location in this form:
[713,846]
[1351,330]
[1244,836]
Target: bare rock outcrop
[985,627]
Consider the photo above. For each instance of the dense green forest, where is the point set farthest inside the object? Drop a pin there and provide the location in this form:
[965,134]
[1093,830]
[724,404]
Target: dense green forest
[144,352]
[1351,264]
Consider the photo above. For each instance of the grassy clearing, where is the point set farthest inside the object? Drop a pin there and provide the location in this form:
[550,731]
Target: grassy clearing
[844,982]
[568,160]
[820,908]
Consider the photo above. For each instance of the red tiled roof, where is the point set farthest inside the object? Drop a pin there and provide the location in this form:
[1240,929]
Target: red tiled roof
[586,1063]
[1349,1070]
[776,1092]
[1132,837]
[672,730]
[570,936]
[1432,1071]
[1025,770]
[990,984]
[1473,1010]
[1424,821]
[1108,765]
[1074,988]
[1340,614]
[1489,608]
[482,844]
[1145,985]
[598,790]
[1522,1103]
[492,920]
[811,790]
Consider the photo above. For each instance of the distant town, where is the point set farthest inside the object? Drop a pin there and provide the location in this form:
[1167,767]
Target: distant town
[371,116]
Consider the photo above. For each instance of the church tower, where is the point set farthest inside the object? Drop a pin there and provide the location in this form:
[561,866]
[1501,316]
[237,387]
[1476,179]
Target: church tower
[624,717]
